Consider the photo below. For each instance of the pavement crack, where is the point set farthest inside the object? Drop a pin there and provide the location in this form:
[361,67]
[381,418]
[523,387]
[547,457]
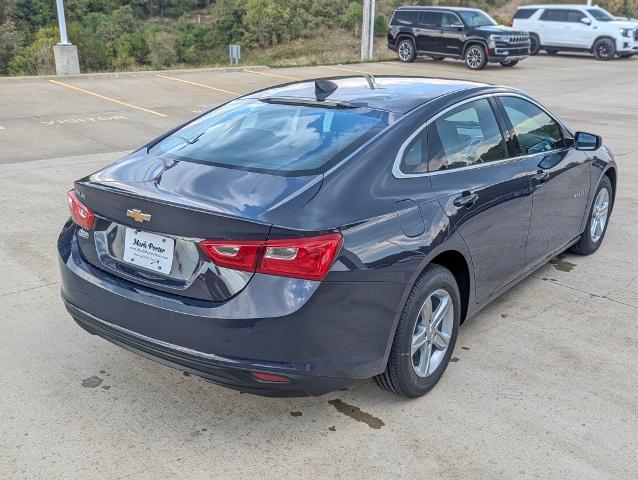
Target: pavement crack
[605,297]
[27,289]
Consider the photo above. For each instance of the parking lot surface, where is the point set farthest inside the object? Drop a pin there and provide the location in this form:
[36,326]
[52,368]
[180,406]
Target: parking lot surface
[543,382]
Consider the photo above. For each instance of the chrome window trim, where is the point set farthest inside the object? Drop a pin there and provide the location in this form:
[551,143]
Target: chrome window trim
[396,167]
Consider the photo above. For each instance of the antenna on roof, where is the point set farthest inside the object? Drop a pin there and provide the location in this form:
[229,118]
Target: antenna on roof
[324,88]
[372,83]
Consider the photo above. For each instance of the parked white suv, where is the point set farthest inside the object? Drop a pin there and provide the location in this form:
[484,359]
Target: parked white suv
[577,28]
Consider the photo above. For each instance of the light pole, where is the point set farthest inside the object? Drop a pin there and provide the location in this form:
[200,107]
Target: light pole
[367,30]
[65,54]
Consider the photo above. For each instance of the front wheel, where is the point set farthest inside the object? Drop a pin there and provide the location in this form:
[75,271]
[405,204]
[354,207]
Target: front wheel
[534,44]
[511,63]
[406,50]
[425,336]
[604,49]
[598,219]
[475,57]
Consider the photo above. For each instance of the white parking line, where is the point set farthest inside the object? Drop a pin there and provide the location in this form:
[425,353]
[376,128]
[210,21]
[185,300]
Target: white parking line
[198,84]
[272,75]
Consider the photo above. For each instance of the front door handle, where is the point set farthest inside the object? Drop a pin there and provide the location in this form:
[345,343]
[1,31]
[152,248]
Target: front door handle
[466,200]
[540,177]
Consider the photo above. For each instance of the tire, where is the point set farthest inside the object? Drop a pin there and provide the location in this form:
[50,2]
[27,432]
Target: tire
[511,63]
[534,44]
[590,242]
[604,49]
[438,59]
[475,57]
[626,55]
[435,288]
[406,50]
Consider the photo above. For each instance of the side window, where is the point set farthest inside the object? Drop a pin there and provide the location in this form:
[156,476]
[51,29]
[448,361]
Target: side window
[554,15]
[535,131]
[431,19]
[404,18]
[450,20]
[574,16]
[467,135]
[414,158]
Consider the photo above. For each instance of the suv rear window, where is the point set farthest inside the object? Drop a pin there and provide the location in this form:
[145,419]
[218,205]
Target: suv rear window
[402,17]
[562,15]
[524,13]
[282,139]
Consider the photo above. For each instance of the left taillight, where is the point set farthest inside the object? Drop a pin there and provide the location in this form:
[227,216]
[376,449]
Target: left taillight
[80,213]
[308,258]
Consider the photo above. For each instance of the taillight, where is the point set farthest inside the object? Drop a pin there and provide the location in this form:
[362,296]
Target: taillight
[308,258]
[80,213]
[269,377]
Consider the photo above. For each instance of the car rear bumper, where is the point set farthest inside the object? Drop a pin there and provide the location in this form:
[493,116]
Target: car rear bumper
[319,335]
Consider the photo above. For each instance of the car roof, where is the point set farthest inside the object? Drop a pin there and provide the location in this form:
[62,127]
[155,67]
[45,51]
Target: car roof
[453,9]
[558,5]
[396,94]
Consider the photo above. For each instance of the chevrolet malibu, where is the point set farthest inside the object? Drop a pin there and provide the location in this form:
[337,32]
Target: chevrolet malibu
[300,238]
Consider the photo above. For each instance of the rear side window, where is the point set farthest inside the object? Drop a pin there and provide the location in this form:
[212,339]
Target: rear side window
[535,131]
[274,138]
[524,13]
[430,19]
[465,136]
[562,15]
[402,17]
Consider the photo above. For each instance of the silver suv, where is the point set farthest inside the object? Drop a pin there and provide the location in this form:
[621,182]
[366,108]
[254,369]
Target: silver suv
[577,28]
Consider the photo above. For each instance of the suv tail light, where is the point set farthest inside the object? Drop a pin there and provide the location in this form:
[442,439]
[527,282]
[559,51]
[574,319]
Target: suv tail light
[80,213]
[308,258]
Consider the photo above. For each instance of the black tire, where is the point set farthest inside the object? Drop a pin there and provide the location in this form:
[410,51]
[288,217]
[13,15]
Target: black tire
[604,48]
[626,55]
[551,51]
[511,63]
[534,44]
[475,57]
[406,50]
[400,375]
[438,58]
[587,244]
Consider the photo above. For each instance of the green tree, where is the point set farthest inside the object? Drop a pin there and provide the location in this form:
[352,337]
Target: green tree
[352,18]
[9,43]
[37,58]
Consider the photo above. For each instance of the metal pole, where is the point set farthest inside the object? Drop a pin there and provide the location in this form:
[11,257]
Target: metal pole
[371,30]
[64,40]
[365,32]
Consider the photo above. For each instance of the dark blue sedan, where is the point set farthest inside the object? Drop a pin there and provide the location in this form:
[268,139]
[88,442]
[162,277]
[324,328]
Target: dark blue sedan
[300,238]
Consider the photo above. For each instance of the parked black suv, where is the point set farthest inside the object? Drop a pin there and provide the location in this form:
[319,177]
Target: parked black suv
[462,33]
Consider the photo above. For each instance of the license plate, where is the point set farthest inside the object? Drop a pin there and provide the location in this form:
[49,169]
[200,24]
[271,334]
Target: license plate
[148,250]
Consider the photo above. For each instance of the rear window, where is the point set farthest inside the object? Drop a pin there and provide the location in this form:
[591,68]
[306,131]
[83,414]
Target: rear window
[273,138]
[524,13]
[404,18]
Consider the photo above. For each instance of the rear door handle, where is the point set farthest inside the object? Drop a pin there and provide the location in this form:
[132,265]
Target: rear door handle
[540,177]
[466,200]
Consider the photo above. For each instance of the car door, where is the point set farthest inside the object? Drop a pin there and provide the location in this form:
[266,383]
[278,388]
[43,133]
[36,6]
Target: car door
[483,192]
[427,32]
[553,27]
[559,176]
[578,33]
[451,34]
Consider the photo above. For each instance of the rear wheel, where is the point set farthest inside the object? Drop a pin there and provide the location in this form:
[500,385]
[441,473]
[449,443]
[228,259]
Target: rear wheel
[511,63]
[406,50]
[534,44]
[425,336]
[598,219]
[604,49]
[475,57]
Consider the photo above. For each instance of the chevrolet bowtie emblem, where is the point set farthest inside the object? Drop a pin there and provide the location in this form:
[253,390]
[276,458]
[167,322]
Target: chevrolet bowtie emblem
[138,216]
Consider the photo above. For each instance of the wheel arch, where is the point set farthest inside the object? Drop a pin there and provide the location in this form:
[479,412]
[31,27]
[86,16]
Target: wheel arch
[455,262]
[600,37]
[405,35]
[475,41]
[613,178]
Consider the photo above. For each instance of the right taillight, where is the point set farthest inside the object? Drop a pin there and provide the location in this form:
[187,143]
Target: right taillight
[308,258]
[80,213]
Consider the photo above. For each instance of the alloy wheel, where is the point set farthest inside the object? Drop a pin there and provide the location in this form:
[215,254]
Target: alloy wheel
[604,49]
[405,51]
[432,332]
[474,57]
[599,215]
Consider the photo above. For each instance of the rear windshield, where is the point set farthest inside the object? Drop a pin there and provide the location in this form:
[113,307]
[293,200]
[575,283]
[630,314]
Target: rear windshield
[273,138]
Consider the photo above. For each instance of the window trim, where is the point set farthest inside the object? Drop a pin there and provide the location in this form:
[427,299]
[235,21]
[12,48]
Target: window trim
[396,166]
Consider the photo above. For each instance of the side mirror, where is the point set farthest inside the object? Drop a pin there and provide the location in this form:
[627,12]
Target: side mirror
[586,20]
[587,141]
